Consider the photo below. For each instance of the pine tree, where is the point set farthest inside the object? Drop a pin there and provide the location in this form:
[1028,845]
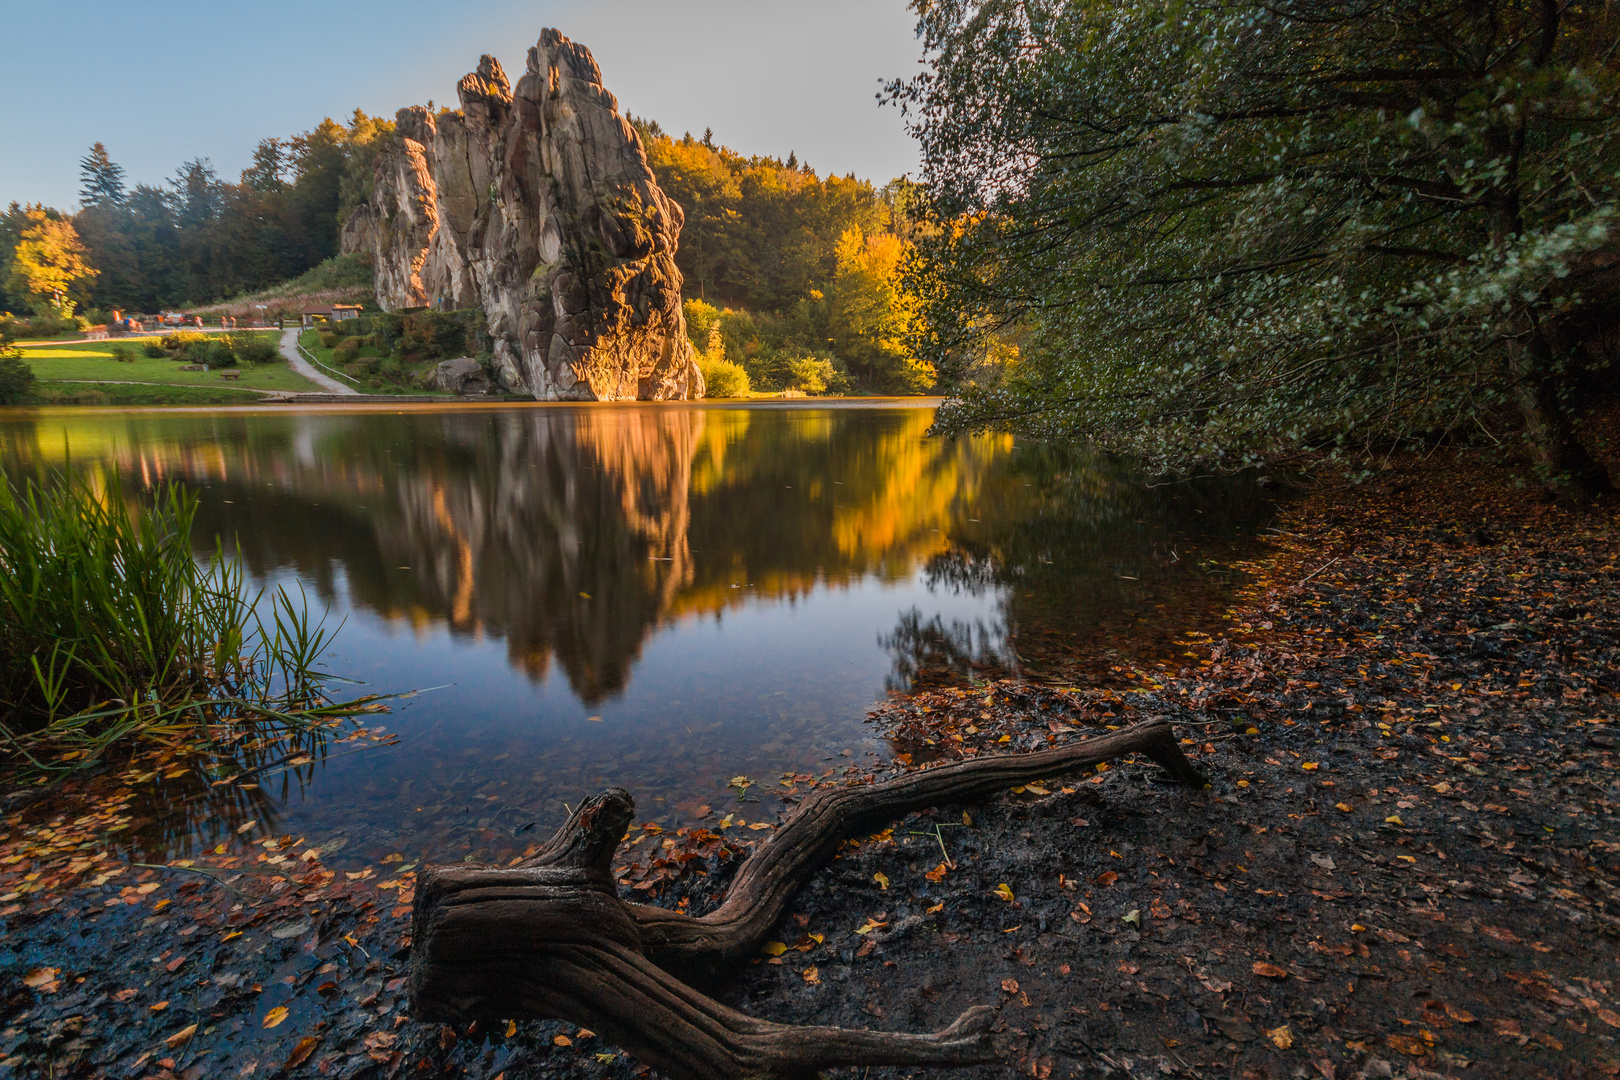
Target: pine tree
[100,180]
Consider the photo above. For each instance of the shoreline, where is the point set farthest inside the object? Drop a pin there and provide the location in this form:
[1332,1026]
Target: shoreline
[1347,898]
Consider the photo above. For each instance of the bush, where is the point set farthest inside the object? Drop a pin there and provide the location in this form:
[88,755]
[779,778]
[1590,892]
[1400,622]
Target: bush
[154,349]
[252,349]
[723,379]
[179,339]
[16,381]
[123,354]
[329,340]
[813,375]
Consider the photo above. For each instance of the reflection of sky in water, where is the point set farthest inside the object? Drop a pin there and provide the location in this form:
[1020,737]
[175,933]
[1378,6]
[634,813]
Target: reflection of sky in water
[557,564]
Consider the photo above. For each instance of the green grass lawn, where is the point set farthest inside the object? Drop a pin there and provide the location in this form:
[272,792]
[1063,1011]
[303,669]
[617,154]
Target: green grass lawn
[62,393]
[93,360]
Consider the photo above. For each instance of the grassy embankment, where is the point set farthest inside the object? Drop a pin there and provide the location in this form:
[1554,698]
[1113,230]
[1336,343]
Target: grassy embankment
[88,372]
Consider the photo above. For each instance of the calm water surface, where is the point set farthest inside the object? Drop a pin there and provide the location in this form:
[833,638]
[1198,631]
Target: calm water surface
[662,597]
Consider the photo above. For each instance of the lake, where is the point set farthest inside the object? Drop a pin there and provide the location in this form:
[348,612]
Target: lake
[658,596]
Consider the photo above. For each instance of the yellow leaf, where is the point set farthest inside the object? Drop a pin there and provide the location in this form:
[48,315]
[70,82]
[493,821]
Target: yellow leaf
[812,976]
[1036,789]
[882,879]
[870,926]
[563,1040]
[181,1036]
[511,1028]
[1394,819]
[1308,766]
[275,1016]
[774,948]
[1346,807]
[1281,1036]
[1004,891]
[758,825]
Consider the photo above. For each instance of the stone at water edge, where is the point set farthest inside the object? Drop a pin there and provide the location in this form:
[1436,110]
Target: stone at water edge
[464,376]
[537,205]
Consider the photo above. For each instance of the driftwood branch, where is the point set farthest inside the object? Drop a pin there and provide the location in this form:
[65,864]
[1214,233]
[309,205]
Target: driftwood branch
[549,937]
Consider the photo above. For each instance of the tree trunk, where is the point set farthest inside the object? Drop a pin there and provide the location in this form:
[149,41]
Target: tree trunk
[1564,463]
[549,938]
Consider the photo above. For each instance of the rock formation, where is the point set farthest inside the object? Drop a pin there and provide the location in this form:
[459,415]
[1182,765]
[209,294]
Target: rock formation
[537,205]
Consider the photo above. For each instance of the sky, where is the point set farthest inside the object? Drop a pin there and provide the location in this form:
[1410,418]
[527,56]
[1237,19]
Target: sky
[164,81]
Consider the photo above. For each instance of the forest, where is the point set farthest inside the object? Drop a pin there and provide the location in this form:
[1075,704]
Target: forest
[791,278]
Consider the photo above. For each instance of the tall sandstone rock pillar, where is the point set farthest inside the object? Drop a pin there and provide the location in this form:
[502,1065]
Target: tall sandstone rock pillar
[538,206]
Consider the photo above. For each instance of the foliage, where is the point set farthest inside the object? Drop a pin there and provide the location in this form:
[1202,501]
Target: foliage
[49,264]
[16,380]
[255,349]
[199,238]
[154,349]
[123,354]
[723,379]
[766,239]
[1223,231]
[812,375]
[111,629]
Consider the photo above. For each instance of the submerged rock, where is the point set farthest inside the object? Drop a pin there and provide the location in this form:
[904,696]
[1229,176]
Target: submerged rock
[537,205]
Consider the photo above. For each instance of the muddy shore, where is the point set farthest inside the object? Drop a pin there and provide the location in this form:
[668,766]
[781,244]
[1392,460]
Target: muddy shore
[1406,863]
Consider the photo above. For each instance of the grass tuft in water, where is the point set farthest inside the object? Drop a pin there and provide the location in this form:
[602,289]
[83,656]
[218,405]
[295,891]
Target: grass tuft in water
[111,631]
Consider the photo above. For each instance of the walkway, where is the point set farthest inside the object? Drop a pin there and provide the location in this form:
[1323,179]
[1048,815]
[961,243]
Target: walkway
[289,349]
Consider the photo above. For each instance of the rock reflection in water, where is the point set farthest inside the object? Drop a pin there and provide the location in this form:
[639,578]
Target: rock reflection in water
[727,589]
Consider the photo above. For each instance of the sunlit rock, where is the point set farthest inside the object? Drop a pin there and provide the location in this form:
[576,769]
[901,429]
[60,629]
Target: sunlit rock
[537,205]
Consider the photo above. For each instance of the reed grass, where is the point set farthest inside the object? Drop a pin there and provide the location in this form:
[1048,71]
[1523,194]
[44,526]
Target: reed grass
[111,630]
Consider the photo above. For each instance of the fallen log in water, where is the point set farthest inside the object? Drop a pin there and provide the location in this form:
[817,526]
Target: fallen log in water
[549,937]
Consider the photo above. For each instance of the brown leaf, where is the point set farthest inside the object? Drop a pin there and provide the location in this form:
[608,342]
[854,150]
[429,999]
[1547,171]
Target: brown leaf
[1107,877]
[1270,971]
[1462,1016]
[174,965]
[1282,1037]
[306,1046]
[1406,1044]
[181,1037]
[1010,985]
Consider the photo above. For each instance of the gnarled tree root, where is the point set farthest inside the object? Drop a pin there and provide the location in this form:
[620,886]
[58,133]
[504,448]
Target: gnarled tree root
[549,937]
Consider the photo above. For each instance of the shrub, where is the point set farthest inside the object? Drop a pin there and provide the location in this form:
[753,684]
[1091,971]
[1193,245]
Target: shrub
[723,379]
[123,354]
[255,349]
[179,339]
[16,381]
[812,375]
[154,349]
[376,383]
[329,340]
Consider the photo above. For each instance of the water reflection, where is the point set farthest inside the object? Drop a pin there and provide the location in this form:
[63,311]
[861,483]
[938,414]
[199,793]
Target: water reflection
[658,596]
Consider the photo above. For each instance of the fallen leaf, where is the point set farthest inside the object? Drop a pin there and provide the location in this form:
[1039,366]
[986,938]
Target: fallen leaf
[1270,971]
[812,976]
[882,879]
[562,1040]
[1406,1044]
[1133,916]
[1036,789]
[275,1016]
[1009,985]
[306,1046]
[937,873]
[1004,891]
[1215,986]
[936,909]
[1107,877]
[42,979]
[1608,1016]
[159,1007]
[1324,861]
[869,926]
[1282,1037]
[774,948]
[1462,1016]
[1346,807]
[181,1037]
[245,826]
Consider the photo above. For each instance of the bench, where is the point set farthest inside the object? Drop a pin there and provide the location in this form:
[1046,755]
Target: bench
[230,374]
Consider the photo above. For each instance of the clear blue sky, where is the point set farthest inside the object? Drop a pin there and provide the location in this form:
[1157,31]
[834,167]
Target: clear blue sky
[163,81]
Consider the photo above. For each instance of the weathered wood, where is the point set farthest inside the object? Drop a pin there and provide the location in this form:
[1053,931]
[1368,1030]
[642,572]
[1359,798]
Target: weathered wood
[549,937]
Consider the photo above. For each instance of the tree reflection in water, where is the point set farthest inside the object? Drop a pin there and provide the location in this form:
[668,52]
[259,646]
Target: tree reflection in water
[568,539]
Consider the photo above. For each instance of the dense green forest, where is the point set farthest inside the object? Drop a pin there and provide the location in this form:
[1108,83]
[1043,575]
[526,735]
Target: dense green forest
[792,279]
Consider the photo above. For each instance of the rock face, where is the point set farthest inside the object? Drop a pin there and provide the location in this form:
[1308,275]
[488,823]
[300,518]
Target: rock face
[537,205]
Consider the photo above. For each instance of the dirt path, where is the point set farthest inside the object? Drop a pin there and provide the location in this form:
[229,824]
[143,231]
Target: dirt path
[289,349]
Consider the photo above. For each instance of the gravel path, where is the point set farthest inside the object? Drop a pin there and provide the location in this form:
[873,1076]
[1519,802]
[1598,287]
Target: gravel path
[289,349]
